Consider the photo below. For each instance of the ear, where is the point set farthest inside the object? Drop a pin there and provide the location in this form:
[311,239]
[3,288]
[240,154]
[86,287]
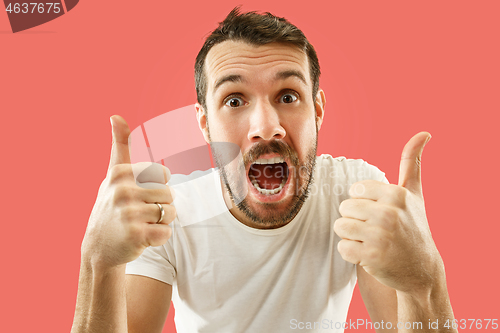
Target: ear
[202,121]
[320,107]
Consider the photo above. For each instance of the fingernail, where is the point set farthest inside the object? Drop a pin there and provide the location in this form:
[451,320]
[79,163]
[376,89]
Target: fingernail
[428,138]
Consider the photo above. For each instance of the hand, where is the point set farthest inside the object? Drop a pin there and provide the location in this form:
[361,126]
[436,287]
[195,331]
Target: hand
[384,227]
[123,221]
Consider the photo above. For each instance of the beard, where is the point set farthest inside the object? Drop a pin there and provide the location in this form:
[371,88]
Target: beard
[233,171]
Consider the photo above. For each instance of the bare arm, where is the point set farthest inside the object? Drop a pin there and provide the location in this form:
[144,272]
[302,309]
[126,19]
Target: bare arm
[148,302]
[384,230]
[109,300]
[427,307]
[125,220]
[385,304]
[380,300]
[101,303]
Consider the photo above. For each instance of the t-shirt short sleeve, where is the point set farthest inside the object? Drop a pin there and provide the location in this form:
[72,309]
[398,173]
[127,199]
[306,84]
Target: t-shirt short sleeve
[372,172]
[356,170]
[154,262]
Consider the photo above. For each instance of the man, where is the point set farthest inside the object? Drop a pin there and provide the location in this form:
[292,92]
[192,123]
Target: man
[296,230]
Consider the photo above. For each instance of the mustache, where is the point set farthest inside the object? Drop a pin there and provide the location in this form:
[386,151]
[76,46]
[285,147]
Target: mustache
[274,146]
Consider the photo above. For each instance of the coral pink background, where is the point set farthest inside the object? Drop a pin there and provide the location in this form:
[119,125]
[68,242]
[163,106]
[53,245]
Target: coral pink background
[390,69]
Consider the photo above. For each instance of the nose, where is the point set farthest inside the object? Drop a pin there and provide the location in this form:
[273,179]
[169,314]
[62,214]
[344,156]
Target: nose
[265,123]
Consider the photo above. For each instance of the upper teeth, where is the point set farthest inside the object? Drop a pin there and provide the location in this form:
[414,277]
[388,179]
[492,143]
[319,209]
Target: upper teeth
[270,160]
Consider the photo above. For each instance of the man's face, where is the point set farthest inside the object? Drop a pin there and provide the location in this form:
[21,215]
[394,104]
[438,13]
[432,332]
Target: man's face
[260,98]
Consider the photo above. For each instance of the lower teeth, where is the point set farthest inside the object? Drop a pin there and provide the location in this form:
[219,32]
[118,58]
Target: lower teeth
[264,191]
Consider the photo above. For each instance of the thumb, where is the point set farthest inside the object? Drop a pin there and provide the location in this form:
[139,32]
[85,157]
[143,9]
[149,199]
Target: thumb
[409,168]
[119,149]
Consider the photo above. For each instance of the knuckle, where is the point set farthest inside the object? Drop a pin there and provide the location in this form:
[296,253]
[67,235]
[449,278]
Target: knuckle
[168,233]
[418,161]
[160,236]
[342,207]
[104,184]
[139,167]
[114,172]
[167,174]
[123,195]
[171,192]
[150,172]
[128,214]
[357,189]
[348,227]
[171,213]
[344,249]
[345,205]
[388,217]
[167,195]
[341,247]
[398,194]
[135,233]
[118,172]
[337,226]
[347,252]
[388,213]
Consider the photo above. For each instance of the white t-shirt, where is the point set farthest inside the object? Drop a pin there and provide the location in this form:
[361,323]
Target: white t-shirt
[228,277]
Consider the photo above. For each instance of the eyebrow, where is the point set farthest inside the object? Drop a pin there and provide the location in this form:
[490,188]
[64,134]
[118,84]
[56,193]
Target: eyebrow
[228,78]
[290,73]
[236,78]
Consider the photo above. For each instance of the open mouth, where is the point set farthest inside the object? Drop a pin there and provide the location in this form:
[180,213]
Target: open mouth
[269,176]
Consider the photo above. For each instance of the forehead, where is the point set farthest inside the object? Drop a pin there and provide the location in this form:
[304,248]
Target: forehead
[241,57]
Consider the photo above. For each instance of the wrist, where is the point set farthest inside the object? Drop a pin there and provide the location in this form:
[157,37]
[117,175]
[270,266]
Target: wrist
[430,302]
[428,279]
[91,261]
[101,297]
[427,290]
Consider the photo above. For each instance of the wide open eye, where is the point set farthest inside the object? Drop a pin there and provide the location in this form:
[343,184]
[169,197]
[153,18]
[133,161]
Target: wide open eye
[288,98]
[234,102]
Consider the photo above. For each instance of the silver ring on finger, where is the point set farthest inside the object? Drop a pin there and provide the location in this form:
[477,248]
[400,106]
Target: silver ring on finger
[162,212]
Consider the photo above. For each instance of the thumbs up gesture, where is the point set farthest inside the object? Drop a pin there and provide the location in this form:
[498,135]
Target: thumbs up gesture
[384,227]
[127,217]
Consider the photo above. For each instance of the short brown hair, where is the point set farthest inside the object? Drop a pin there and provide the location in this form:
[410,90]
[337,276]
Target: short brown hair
[256,29]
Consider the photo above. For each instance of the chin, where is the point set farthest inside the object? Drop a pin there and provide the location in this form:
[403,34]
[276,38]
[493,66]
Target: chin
[269,213]
[270,184]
